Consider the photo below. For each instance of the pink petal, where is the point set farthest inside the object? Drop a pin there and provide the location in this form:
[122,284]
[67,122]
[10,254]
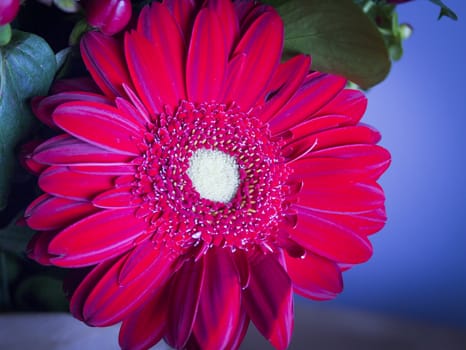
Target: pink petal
[43,107]
[262,43]
[50,213]
[351,103]
[96,238]
[110,301]
[86,286]
[314,277]
[184,13]
[166,50]
[103,57]
[359,134]
[117,198]
[269,300]
[238,334]
[243,268]
[66,150]
[227,17]
[184,301]
[372,158]
[37,248]
[346,197]
[207,58]
[146,326]
[327,238]
[287,79]
[363,224]
[120,134]
[62,182]
[104,169]
[316,91]
[219,308]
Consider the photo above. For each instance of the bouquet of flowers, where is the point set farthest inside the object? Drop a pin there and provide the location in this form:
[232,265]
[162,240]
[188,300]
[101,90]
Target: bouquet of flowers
[184,167]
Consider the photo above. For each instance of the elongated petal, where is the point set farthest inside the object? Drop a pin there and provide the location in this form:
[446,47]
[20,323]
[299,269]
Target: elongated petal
[359,134]
[116,198]
[96,238]
[321,195]
[166,49]
[103,57]
[207,58]
[316,91]
[269,300]
[86,286]
[285,83]
[351,103]
[43,107]
[121,135]
[219,309]
[37,248]
[50,213]
[328,239]
[67,150]
[184,300]
[263,44]
[146,326]
[62,182]
[228,20]
[184,13]
[110,301]
[314,277]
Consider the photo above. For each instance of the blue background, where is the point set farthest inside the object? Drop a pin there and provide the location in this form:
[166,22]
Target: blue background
[418,269]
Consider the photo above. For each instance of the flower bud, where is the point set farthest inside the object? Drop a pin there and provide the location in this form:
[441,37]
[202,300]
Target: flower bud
[110,16]
[8,11]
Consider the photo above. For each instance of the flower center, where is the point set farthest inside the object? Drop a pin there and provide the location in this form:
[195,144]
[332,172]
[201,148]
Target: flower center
[209,175]
[214,175]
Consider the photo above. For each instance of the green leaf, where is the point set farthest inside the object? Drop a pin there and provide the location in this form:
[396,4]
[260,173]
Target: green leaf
[27,67]
[445,10]
[340,38]
[14,238]
[41,293]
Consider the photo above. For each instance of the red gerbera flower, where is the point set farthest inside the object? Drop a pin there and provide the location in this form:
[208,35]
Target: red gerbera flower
[202,181]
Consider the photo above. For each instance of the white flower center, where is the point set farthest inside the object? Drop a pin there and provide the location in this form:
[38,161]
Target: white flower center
[214,175]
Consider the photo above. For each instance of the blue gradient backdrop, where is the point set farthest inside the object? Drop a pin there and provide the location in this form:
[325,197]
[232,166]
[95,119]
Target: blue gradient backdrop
[419,265]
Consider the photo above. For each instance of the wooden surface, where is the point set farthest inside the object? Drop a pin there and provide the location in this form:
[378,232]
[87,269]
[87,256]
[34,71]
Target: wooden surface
[316,327]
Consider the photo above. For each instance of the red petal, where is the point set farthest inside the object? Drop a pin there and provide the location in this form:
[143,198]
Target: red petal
[314,277]
[228,19]
[86,286]
[66,150]
[207,58]
[328,238]
[100,125]
[238,334]
[37,248]
[62,182]
[269,300]
[262,43]
[117,198]
[184,13]
[104,169]
[363,224]
[343,197]
[96,238]
[165,49]
[103,57]
[359,134]
[351,103]
[110,301]
[50,213]
[219,309]
[43,107]
[184,300]
[316,91]
[287,79]
[146,326]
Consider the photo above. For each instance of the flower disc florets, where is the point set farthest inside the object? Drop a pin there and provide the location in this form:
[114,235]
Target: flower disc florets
[166,189]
